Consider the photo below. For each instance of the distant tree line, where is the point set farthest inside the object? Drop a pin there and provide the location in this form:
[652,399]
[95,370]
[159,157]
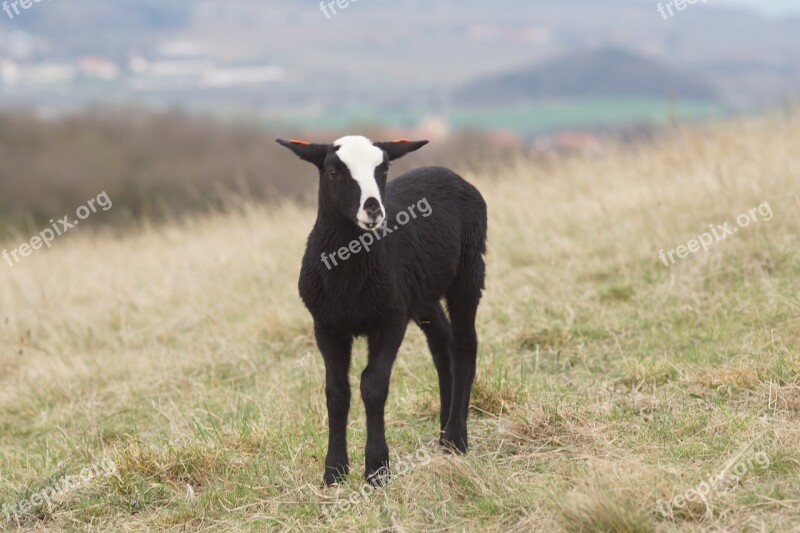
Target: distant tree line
[165,165]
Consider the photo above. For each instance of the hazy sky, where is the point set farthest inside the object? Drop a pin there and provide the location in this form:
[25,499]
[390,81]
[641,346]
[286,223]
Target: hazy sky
[771,7]
[766,6]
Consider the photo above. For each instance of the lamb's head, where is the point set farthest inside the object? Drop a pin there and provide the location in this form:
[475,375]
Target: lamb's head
[353,172]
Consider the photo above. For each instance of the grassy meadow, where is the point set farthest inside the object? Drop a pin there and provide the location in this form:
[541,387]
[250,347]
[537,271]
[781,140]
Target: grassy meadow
[607,382]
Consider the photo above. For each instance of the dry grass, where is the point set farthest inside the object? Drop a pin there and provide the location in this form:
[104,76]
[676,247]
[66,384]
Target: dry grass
[607,381]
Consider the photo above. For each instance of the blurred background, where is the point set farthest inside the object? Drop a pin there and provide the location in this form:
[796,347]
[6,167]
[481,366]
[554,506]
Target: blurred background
[171,107]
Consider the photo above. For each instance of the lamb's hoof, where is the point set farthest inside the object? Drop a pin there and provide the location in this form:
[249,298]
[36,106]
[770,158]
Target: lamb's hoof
[454,444]
[379,477]
[335,474]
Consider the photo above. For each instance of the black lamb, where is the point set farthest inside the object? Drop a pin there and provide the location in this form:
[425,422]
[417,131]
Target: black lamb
[380,255]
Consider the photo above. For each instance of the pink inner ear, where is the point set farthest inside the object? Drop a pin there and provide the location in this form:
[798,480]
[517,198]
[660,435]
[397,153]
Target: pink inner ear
[295,141]
[401,141]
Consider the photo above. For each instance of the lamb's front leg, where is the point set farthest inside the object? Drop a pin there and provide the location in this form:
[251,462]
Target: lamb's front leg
[336,350]
[383,344]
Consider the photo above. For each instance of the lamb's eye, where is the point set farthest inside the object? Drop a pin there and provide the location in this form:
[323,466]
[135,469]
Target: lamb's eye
[333,174]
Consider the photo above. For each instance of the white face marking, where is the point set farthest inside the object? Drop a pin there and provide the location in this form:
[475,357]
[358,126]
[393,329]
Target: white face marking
[362,158]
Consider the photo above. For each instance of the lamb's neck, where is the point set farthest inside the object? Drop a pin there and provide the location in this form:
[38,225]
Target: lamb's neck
[332,234]
[340,248]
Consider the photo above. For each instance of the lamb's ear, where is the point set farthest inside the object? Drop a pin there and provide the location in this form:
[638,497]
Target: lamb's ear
[313,153]
[400,147]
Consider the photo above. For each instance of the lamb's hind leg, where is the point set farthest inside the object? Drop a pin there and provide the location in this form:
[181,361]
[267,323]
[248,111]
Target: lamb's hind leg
[462,304]
[436,327]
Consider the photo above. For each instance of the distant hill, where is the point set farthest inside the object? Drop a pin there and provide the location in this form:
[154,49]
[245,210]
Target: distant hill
[400,60]
[602,73]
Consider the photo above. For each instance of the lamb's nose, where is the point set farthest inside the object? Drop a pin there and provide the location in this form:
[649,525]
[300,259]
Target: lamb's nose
[373,207]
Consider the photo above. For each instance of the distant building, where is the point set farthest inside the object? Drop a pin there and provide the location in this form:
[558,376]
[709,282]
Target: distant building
[9,72]
[98,68]
[433,128]
[187,65]
[49,73]
[570,142]
[182,50]
[243,75]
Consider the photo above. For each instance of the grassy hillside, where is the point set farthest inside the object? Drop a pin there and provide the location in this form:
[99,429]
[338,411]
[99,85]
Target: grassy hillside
[607,381]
